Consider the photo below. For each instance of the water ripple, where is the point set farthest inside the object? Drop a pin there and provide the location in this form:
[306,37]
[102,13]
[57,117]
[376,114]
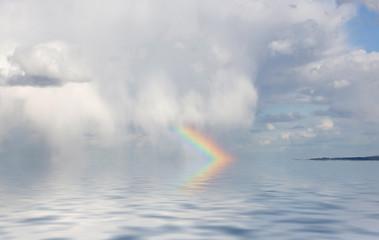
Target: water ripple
[39,220]
[264,206]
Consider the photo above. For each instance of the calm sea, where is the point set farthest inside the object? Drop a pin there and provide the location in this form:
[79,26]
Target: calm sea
[141,198]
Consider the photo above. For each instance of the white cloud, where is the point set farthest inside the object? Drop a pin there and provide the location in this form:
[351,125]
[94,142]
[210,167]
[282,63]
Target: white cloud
[309,133]
[270,126]
[221,54]
[372,4]
[265,141]
[232,98]
[350,64]
[326,125]
[341,83]
[71,115]
[156,103]
[53,59]
[281,47]
[348,82]
[286,135]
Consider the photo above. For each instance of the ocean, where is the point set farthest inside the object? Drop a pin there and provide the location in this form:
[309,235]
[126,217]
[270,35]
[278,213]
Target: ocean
[149,198]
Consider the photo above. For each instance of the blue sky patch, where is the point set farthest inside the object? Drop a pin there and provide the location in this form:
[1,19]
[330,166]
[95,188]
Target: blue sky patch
[363,29]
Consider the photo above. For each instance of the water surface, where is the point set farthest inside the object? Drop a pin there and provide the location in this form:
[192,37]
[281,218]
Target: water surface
[141,199]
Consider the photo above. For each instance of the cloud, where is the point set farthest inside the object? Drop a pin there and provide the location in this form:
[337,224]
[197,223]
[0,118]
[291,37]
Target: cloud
[88,73]
[69,116]
[347,82]
[281,47]
[335,112]
[125,65]
[44,64]
[282,117]
[359,62]
[286,135]
[309,133]
[299,135]
[270,126]
[341,83]
[266,140]
[371,4]
[326,125]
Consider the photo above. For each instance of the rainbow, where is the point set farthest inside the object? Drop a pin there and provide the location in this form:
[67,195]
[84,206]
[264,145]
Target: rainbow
[215,162]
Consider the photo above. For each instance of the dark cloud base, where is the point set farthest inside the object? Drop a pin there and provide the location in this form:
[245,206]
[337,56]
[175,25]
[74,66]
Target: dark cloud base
[34,81]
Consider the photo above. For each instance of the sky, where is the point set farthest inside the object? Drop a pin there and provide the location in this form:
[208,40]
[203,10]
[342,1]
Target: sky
[264,78]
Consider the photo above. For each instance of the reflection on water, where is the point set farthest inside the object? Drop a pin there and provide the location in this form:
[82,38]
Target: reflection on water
[214,158]
[253,199]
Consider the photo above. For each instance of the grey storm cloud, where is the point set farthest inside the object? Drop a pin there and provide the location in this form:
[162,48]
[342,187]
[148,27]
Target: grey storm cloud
[33,80]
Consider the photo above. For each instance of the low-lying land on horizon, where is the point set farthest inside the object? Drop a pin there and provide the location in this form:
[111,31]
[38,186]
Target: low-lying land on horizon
[368,158]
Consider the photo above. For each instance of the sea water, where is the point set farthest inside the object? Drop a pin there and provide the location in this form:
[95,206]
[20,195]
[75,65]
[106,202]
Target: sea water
[143,198]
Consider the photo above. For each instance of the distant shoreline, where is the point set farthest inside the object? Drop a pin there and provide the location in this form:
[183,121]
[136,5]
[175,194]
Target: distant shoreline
[369,158]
